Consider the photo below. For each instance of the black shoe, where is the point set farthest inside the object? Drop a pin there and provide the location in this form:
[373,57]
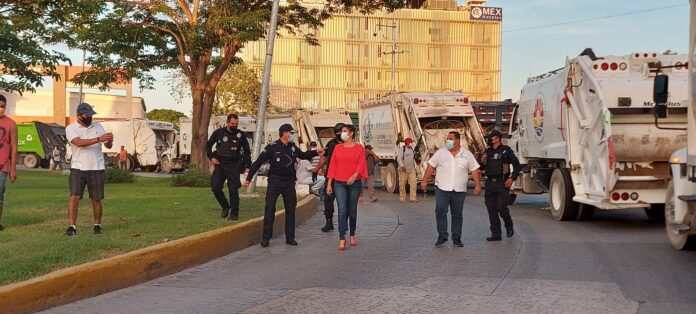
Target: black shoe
[225,212]
[457,242]
[97,229]
[2,228]
[71,231]
[440,241]
[233,217]
[494,238]
[290,242]
[510,233]
[328,226]
[264,243]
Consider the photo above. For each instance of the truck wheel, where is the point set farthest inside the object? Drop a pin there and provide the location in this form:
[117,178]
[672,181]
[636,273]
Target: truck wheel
[391,178]
[130,163]
[585,212]
[561,193]
[679,240]
[31,161]
[166,165]
[656,212]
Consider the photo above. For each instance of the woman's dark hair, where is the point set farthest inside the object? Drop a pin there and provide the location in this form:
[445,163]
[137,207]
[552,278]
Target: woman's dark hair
[351,128]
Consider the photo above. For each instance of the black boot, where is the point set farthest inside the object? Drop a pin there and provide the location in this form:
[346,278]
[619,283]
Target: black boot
[328,226]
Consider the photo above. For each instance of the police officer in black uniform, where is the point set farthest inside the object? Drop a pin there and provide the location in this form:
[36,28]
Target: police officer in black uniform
[496,163]
[230,158]
[326,160]
[282,155]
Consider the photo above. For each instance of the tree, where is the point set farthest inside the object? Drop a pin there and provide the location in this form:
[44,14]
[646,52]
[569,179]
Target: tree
[129,38]
[167,115]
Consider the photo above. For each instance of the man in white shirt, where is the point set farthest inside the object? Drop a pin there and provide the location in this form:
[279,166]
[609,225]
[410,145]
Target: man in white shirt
[306,176]
[87,164]
[454,164]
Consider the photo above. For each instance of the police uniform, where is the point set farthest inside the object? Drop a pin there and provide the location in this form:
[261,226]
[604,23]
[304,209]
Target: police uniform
[234,155]
[281,181]
[497,167]
[329,198]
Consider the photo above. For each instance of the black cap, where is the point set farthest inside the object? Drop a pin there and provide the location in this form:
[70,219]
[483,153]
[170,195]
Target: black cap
[86,109]
[285,127]
[338,127]
[495,133]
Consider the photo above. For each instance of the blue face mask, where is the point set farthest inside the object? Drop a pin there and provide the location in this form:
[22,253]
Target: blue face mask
[292,138]
[449,144]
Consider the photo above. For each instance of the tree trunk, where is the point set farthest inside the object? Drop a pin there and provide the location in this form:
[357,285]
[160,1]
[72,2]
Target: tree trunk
[199,130]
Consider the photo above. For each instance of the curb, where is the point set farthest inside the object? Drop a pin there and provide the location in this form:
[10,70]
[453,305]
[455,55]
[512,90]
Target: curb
[98,277]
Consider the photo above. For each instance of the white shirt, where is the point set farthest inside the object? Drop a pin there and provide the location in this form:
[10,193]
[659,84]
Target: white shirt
[303,171]
[87,157]
[453,171]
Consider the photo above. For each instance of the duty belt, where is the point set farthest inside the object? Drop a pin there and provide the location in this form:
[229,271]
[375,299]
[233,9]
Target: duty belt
[496,179]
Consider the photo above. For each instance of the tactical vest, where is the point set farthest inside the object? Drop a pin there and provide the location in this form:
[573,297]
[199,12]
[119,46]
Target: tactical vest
[495,165]
[230,145]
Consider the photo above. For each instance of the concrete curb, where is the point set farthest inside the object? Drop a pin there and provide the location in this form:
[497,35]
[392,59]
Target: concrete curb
[98,277]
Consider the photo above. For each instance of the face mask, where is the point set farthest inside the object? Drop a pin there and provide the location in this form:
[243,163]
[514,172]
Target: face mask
[344,136]
[292,138]
[449,144]
[87,121]
[234,127]
[312,148]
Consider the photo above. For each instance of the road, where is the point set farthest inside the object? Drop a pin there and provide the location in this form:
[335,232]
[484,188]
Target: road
[617,263]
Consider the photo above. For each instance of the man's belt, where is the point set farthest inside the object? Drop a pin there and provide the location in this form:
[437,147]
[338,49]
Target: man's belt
[496,179]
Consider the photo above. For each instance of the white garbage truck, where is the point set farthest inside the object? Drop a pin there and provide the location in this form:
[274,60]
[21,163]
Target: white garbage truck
[427,118]
[586,134]
[144,140]
[680,200]
[312,125]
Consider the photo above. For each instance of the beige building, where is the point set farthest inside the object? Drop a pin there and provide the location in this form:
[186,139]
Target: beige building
[439,46]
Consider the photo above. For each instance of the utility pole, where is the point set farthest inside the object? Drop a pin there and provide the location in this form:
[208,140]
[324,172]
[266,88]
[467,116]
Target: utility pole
[263,101]
[84,56]
[393,51]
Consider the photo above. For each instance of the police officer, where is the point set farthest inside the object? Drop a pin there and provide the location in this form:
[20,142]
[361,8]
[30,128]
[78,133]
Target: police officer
[230,158]
[496,163]
[326,160]
[281,154]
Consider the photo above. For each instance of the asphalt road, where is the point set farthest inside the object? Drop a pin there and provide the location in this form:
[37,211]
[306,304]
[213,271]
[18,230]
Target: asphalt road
[618,263]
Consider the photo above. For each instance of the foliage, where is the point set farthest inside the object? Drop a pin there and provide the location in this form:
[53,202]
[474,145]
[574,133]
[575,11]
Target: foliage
[117,175]
[193,177]
[167,115]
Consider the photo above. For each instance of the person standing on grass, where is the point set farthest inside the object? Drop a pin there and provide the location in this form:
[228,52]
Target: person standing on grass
[407,171]
[453,164]
[346,171]
[8,152]
[371,160]
[87,165]
[281,154]
[123,158]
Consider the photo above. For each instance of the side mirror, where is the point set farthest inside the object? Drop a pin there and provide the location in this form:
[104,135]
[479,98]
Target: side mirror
[660,93]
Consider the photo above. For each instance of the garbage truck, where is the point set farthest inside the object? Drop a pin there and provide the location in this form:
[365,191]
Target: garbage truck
[311,124]
[680,199]
[585,133]
[144,140]
[427,118]
[35,143]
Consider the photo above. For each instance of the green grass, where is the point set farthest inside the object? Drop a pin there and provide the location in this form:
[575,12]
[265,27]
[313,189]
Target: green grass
[136,215]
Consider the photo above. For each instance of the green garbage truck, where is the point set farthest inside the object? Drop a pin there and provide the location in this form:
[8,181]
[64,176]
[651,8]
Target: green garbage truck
[35,142]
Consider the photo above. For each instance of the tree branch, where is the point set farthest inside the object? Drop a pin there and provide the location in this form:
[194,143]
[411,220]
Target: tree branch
[187,11]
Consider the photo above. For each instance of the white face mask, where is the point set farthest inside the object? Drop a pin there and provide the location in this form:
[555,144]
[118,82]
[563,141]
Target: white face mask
[292,138]
[344,136]
[449,144]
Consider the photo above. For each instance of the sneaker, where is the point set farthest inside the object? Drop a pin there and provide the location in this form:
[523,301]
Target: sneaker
[494,238]
[457,242]
[224,213]
[413,201]
[264,243]
[440,241]
[71,231]
[97,229]
[233,216]
[510,233]
[291,242]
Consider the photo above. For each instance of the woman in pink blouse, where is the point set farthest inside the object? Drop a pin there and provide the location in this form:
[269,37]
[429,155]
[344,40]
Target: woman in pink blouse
[346,171]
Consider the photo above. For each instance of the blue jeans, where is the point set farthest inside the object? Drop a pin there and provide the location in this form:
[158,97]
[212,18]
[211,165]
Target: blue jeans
[455,202]
[347,199]
[3,182]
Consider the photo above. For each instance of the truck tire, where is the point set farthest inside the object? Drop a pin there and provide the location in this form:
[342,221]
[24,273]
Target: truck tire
[130,163]
[166,165]
[679,241]
[585,212]
[31,161]
[656,212]
[561,193]
[391,178]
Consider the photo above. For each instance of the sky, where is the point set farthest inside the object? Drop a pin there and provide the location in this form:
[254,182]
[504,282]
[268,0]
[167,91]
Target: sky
[535,51]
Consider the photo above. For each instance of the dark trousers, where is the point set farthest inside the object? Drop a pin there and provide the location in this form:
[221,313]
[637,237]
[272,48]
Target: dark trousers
[227,172]
[454,201]
[496,197]
[287,190]
[347,198]
[328,203]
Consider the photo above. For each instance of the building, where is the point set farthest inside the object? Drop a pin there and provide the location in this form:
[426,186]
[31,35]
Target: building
[439,46]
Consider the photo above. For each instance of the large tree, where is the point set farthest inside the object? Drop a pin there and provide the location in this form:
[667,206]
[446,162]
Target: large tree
[201,38]
[167,115]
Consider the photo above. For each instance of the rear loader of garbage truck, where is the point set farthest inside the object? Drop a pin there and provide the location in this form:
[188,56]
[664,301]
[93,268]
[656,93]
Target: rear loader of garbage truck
[144,140]
[312,125]
[586,134]
[35,143]
[425,117]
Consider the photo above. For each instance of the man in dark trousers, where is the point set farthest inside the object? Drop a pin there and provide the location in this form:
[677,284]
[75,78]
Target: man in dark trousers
[325,160]
[496,163]
[231,157]
[281,154]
